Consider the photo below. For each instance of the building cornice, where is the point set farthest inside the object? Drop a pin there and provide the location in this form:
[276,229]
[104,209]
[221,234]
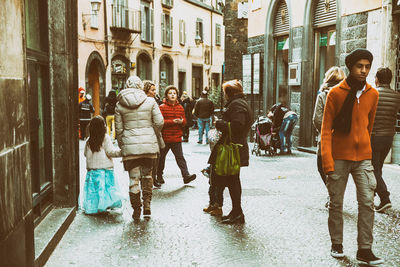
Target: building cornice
[205,6]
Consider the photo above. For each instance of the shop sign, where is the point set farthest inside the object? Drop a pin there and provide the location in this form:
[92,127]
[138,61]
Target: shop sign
[118,67]
[323,39]
[283,44]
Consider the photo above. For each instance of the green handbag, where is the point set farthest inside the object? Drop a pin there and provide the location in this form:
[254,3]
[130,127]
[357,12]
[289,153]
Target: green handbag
[228,157]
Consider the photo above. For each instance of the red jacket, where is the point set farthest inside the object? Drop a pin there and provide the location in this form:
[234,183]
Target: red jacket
[172,132]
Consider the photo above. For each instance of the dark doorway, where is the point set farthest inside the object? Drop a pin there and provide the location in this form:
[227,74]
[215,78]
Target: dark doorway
[197,80]
[144,67]
[182,82]
[166,73]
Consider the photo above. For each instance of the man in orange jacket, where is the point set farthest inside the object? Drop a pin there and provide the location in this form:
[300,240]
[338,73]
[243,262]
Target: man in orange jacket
[346,149]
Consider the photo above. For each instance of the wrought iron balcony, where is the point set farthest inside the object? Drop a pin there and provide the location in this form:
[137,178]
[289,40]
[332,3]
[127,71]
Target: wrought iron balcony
[125,20]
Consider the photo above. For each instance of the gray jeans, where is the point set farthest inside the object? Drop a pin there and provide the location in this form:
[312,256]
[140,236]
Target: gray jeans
[364,179]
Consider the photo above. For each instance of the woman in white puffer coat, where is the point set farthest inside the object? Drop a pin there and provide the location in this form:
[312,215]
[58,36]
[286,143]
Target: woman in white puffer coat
[136,118]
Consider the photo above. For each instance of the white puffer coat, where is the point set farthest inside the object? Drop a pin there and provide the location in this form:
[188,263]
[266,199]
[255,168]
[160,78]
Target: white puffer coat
[136,117]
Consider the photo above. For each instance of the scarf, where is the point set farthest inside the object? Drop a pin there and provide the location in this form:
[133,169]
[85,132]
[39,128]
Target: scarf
[342,122]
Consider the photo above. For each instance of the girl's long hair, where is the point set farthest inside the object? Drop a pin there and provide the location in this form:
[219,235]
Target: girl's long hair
[97,130]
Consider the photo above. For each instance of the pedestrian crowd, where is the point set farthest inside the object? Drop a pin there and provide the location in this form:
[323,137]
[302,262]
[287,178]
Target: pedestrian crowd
[355,123]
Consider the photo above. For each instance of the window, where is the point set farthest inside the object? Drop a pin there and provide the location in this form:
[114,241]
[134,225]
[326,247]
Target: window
[167,3]
[166,29]
[147,17]
[217,34]
[94,23]
[182,32]
[199,29]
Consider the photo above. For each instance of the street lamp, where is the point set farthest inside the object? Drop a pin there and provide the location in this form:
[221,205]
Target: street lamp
[95,4]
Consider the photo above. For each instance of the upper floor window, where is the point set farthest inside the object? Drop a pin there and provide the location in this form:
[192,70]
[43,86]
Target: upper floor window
[182,32]
[94,20]
[217,34]
[147,20]
[199,29]
[167,3]
[166,29]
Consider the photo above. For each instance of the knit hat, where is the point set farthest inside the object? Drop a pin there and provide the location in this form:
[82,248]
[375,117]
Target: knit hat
[356,55]
[81,90]
[134,82]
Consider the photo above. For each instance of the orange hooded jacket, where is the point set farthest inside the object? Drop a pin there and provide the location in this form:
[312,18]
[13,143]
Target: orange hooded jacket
[356,145]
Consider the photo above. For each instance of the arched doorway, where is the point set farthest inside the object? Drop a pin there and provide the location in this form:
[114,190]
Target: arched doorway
[281,60]
[119,72]
[95,80]
[144,66]
[166,73]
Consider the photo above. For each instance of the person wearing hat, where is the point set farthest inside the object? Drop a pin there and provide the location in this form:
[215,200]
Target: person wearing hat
[81,94]
[203,110]
[186,103]
[85,115]
[346,149]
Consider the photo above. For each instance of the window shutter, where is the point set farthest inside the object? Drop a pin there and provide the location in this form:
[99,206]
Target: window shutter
[184,32]
[151,25]
[197,27]
[325,13]
[281,22]
[180,32]
[163,28]
[143,21]
[170,30]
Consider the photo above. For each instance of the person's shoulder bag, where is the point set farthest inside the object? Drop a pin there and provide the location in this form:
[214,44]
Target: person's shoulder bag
[227,161]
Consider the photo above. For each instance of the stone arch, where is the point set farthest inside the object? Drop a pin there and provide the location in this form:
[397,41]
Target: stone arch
[144,65]
[95,80]
[166,72]
[269,59]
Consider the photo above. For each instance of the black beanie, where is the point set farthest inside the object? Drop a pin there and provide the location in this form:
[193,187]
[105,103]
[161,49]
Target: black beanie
[356,55]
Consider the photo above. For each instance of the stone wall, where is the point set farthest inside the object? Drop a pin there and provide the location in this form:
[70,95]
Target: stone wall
[256,44]
[353,34]
[235,40]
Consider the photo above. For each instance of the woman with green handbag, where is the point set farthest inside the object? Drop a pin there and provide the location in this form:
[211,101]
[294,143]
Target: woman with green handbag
[235,126]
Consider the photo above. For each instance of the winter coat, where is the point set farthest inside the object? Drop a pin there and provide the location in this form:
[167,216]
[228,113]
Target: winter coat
[239,114]
[85,110]
[135,116]
[172,132]
[319,112]
[353,146]
[110,103]
[187,106]
[386,112]
[278,110]
[101,159]
[204,108]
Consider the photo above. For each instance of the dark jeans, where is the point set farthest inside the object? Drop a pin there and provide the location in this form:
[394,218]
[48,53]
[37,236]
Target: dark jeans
[380,148]
[321,169]
[178,153]
[185,131]
[83,127]
[216,196]
[285,132]
[235,191]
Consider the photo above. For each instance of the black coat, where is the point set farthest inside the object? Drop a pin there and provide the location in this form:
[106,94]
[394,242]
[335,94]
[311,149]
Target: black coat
[204,108]
[187,106]
[239,114]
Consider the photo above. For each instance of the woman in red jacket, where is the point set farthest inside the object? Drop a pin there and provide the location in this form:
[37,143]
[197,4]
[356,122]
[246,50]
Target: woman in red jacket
[174,120]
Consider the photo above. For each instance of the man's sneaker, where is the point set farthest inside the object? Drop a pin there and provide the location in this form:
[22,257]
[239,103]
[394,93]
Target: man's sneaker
[188,178]
[337,251]
[365,256]
[216,212]
[200,142]
[385,204]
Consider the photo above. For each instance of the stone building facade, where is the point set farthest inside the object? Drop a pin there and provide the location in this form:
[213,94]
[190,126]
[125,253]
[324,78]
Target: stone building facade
[39,165]
[169,42]
[303,38]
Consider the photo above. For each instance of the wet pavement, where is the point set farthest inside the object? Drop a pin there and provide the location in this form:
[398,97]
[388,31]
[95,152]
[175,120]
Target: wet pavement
[286,220]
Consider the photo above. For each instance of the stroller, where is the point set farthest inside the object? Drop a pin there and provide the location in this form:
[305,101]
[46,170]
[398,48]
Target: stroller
[264,139]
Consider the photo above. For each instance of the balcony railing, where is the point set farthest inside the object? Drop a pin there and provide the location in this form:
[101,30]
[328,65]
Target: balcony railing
[125,19]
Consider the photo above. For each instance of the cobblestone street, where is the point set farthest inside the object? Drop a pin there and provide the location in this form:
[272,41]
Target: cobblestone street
[286,220]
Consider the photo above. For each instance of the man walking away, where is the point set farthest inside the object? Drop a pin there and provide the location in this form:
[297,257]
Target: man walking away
[203,110]
[85,114]
[383,132]
[346,149]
